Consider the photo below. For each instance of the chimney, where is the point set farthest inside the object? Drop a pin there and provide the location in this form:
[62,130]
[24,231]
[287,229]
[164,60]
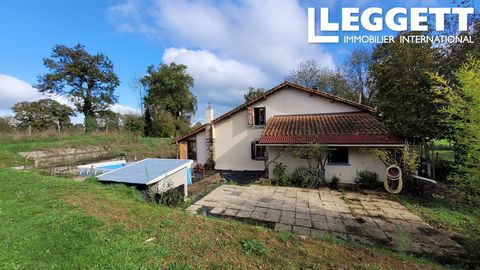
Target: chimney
[209,114]
[209,138]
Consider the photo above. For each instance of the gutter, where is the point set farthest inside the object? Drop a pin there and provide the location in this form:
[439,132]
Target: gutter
[340,145]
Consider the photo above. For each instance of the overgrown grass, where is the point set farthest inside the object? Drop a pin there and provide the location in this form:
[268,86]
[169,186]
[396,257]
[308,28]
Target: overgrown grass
[55,223]
[460,220]
[118,143]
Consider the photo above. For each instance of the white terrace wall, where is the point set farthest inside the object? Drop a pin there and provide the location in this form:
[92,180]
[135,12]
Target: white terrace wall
[174,180]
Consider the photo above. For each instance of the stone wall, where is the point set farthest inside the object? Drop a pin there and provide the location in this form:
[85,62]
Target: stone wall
[64,156]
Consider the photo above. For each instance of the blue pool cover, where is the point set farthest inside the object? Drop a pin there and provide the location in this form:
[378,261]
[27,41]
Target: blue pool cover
[147,171]
[112,167]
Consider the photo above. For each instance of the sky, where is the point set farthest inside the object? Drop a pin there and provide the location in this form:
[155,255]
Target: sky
[228,46]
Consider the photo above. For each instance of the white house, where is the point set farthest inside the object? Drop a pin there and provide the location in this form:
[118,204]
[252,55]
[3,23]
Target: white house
[241,139]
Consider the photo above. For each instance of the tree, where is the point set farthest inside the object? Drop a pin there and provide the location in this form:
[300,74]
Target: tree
[357,70]
[168,91]
[462,112]
[400,73]
[133,122]
[42,115]
[5,125]
[334,82]
[253,94]
[108,120]
[310,74]
[454,55]
[163,125]
[88,80]
[403,92]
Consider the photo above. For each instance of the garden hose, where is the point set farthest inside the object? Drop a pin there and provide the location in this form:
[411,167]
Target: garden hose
[393,174]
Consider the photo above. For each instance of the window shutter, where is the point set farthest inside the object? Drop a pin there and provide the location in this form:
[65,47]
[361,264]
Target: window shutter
[252,149]
[250,116]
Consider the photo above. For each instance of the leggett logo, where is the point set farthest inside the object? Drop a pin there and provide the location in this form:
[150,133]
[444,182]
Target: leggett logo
[396,19]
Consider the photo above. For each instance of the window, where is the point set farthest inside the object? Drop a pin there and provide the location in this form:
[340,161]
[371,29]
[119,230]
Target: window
[258,152]
[259,116]
[192,150]
[338,155]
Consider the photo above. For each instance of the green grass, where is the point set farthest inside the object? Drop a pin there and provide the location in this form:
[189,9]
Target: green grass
[119,144]
[253,246]
[459,220]
[56,223]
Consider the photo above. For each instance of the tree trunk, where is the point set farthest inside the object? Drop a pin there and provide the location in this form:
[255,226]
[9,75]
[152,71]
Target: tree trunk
[427,158]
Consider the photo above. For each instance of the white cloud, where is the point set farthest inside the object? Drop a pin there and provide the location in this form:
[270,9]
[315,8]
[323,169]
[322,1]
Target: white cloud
[123,109]
[270,35]
[220,80]
[13,90]
[227,45]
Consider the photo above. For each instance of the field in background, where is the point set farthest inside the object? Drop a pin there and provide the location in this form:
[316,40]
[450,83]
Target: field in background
[118,143]
[56,223]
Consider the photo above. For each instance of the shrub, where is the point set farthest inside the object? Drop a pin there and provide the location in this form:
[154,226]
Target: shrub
[334,182]
[367,180]
[306,178]
[252,246]
[280,175]
[171,197]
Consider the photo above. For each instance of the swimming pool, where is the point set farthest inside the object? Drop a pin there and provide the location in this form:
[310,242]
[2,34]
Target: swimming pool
[100,168]
[112,167]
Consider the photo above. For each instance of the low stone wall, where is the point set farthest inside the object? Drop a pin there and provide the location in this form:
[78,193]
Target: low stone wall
[203,184]
[62,156]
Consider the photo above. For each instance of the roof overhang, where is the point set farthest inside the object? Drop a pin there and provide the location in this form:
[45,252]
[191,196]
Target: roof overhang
[338,145]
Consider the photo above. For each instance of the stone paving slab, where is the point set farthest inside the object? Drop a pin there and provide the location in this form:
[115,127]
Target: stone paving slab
[359,218]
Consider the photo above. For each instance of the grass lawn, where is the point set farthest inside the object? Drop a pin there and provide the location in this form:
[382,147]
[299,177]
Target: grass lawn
[55,223]
[459,220]
[119,143]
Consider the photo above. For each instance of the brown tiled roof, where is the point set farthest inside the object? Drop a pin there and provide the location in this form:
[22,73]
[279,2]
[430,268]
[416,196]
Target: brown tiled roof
[285,84]
[333,128]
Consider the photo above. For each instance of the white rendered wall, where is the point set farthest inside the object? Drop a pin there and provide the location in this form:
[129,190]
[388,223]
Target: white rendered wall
[358,161]
[233,136]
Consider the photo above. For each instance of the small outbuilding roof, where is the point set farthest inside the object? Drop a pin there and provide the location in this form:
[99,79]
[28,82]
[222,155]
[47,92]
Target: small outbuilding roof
[358,128]
[145,172]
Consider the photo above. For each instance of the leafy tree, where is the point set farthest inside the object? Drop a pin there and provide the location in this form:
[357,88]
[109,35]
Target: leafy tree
[462,112]
[5,125]
[108,120]
[197,125]
[133,122]
[253,94]
[163,125]
[357,72]
[453,55]
[43,114]
[88,80]
[168,91]
[404,96]
[335,82]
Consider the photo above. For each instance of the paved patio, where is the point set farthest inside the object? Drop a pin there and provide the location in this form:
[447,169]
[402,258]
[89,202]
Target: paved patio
[366,219]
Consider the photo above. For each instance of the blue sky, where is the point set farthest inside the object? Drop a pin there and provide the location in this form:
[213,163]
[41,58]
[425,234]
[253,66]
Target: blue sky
[228,45]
